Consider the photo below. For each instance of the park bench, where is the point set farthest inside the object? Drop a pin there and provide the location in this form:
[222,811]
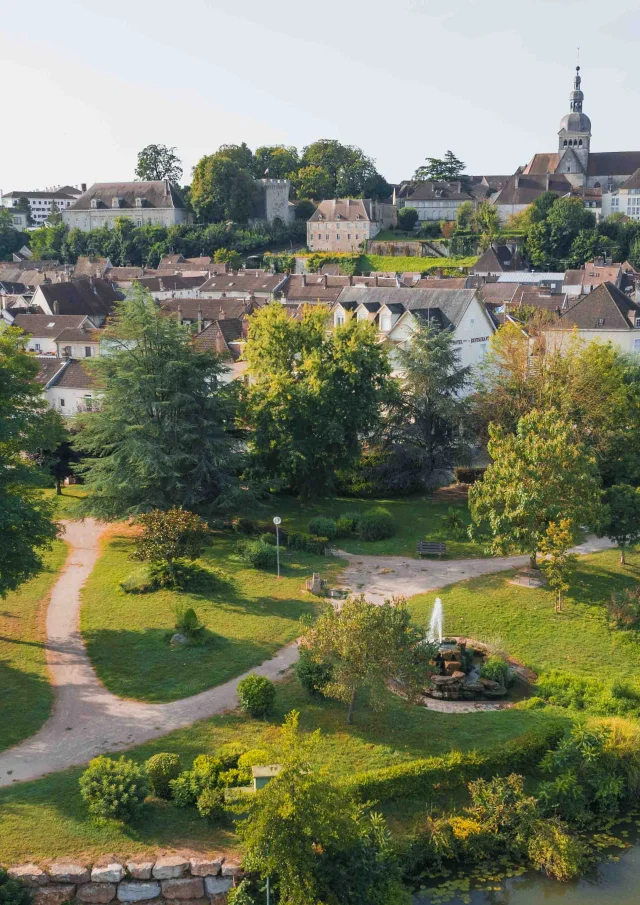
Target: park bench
[428,547]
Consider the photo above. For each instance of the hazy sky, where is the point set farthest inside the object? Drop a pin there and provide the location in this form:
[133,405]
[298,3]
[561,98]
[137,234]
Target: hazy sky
[86,84]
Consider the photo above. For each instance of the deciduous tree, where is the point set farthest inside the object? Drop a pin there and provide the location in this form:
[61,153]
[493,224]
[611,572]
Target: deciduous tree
[222,187]
[170,536]
[159,162]
[621,516]
[407,218]
[558,563]
[275,162]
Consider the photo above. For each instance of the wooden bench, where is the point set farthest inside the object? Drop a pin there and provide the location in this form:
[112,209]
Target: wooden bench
[427,547]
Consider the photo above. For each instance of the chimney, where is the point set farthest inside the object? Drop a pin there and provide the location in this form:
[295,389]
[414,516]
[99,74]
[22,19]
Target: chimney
[199,318]
[325,280]
[375,279]
[83,186]
[350,279]
[221,316]
[546,182]
[304,279]
[179,314]
[56,306]
[517,182]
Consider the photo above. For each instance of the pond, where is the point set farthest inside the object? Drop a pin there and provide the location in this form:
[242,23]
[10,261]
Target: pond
[610,883]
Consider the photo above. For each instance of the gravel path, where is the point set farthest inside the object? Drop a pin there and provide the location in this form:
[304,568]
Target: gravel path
[88,720]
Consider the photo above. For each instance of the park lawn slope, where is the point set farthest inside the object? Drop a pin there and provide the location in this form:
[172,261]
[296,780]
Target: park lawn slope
[411,263]
[416,518]
[522,621]
[26,696]
[47,819]
[248,614]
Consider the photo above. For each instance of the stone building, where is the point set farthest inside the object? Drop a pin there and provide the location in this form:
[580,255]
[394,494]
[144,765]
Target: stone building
[272,200]
[343,224]
[159,203]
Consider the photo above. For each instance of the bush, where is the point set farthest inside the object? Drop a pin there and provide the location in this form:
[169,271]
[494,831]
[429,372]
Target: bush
[456,525]
[322,527]
[257,695]
[114,788]
[468,475]
[311,675]
[186,621]
[496,669]
[307,543]
[268,538]
[616,698]
[258,554]
[354,517]
[345,527]
[161,769]
[256,757]
[139,581]
[210,804]
[407,218]
[230,754]
[376,524]
[246,526]
[624,609]
[205,774]
[13,892]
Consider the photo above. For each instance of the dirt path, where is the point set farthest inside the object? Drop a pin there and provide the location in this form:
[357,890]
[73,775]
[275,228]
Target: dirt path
[88,720]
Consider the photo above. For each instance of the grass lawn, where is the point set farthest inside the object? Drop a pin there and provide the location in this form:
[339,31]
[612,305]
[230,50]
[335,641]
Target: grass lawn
[47,819]
[249,615]
[410,264]
[66,504]
[523,622]
[416,517]
[25,696]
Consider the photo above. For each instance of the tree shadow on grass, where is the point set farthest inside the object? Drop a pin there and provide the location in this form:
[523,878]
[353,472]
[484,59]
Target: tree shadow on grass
[25,704]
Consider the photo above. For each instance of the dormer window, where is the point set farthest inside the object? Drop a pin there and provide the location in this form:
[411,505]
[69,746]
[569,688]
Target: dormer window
[600,322]
[116,202]
[637,321]
[139,202]
[94,203]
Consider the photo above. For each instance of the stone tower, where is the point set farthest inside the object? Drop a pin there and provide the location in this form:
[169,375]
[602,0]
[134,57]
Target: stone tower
[575,128]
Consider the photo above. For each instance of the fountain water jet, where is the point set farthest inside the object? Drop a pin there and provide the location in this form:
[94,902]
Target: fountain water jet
[435,624]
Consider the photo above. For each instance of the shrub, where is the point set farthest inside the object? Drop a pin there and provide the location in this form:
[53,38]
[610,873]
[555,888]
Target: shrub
[204,774]
[376,524]
[257,695]
[258,554]
[407,218]
[166,538]
[345,527]
[554,851]
[354,517]
[624,609]
[268,538]
[229,778]
[229,755]
[246,526]
[139,581]
[322,527]
[256,757]
[312,676]
[496,669]
[161,769]
[468,475]
[13,892]
[114,788]
[307,543]
[210,804]
[186,621]
[246,893]
[455,523]
[219,524]
[616,698]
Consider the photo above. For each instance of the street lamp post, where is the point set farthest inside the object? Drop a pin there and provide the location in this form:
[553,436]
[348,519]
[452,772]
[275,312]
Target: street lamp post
[277,521]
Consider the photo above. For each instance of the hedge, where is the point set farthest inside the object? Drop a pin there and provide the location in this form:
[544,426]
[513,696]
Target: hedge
[418,777]
[308,543]
[464,475]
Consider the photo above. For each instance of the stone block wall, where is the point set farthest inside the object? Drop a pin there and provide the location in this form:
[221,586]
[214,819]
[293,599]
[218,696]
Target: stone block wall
[167,880]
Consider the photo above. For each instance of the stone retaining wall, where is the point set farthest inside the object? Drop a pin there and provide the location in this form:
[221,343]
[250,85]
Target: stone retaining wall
[172,878]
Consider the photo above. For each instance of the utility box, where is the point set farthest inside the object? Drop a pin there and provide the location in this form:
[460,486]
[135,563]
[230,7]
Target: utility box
[263,775]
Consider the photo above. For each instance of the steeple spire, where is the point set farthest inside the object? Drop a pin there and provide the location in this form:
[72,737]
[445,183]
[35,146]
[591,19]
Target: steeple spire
[576,97]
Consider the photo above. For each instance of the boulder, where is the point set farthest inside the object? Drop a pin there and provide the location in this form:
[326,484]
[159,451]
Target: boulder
[185,888]
[30,874]
[451,666]
[443,680]
[458,675]
[475,687]
[215,885]
[169,867]
[140,870]
[178,638]
[54,895]
[206,867]
[498,692]
[68,872]
[109,873]
[231,869]
[489,683]
[449,655]
[138,891]
[96,893]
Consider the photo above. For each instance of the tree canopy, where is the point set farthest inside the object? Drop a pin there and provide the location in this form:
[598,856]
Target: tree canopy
[312,396]
[159,162]
[439,169]
[159,437]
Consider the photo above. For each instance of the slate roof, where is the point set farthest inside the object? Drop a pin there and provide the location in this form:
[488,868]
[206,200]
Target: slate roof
[58,195]
[49,367]
[606,308]
[212,309]
[81,296]
[159,194]
[170,282]
[79,335]
[343,209]
[74,377]
[451,302]
[9,287]
[431,191]
[613,163]
[496,259]
[125,274]
[524,189]
[221,336]
[633,182]
[89,266]
[245,283]
[48,326]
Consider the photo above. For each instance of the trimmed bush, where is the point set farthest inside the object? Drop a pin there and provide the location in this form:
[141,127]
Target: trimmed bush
[376,524]
[210,804]
[258,554]
[307,543]
[496,669]
[161,769]
[418,778]
[246,526]
[345,527]
[256,757]
[468,475]
[257,695]
[114,788]
[311,675]
[268,538]
[13,892]
[354,517]
[205,774]
[322,527]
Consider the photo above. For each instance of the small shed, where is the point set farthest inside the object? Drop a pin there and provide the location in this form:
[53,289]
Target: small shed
[263,775]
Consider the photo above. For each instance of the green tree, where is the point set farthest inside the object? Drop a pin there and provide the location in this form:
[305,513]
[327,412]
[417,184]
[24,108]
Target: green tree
[407,218]
[226,256]
[464,217]
[367,646]
[313,839]
[11,239]
[428,429]
[157,162]
[159,437]
[550,239]
[621,516]
[350,172]
[486,222]
[540,474]
[439,169]
[26,425]
[275,162]
[558,563]
[222,187]
[313,182]
[312,395]
[634,252]
[168,537]
[24,207]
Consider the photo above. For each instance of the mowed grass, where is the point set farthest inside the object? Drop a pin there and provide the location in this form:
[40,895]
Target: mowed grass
[522,621]
[416,518]
[47,819]
[25,693]
[249,614]
[65,505]
[411,263]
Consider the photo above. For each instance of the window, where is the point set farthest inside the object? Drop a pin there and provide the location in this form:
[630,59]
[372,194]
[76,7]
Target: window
[472,322]
[636,345]
[385,323]
[349,236]
[637,321]
[87,351]
[600,322]
[483,348]
[138,221]
[88,403]
[61,403]
[36,346]
[339,319]
[338,236]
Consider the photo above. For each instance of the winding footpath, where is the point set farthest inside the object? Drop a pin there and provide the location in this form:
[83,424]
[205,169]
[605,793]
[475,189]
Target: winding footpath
[88,720]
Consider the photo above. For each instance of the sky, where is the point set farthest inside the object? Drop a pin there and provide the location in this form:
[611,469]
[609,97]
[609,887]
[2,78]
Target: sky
[403,80]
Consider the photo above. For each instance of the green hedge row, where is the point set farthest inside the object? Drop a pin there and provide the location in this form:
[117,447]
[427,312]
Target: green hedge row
[308,543]
[418,777]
